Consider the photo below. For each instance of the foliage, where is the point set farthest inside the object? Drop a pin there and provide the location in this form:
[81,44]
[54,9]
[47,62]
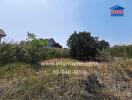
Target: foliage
[8,53]
[121,51]
[31,36]
[56,53]
[31,51]
[83,46]
[103,45]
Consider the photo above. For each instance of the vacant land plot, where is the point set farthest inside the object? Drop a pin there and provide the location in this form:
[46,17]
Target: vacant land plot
[92,81]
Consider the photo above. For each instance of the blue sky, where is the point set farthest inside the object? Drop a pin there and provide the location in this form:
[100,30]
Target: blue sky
[58,19]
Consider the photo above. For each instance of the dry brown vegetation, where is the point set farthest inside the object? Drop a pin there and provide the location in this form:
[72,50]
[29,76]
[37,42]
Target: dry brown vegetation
[101,81]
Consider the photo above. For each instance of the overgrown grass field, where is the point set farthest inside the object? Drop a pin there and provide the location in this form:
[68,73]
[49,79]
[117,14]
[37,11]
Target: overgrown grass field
[103,81]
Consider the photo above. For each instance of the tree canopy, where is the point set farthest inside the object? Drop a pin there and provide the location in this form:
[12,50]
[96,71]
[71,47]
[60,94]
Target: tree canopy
[84,46]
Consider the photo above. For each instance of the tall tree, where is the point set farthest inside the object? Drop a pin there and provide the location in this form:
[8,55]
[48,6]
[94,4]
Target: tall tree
[83,46]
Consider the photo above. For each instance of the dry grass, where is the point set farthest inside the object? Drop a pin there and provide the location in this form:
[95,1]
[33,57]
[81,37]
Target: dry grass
[23,82]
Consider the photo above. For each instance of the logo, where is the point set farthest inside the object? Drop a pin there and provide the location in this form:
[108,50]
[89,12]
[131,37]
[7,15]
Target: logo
[117,11]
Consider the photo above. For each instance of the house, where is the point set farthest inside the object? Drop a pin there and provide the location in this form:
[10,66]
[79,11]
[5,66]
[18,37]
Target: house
[2,34]
[117,11]
[52,44]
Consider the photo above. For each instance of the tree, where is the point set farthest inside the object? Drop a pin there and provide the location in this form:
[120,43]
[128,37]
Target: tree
[31,36]
[32,50]
[83,46]
[103,45]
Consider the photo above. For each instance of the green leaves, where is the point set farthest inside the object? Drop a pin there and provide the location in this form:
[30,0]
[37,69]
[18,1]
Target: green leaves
[83,46]
[121,51]
[103,45]
[31,51]
[7,53]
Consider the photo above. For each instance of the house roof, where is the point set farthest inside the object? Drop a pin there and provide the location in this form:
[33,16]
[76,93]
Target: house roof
[117,8]
[2,33]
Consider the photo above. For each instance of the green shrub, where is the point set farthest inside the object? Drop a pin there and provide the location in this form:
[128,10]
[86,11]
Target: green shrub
[29,52]
[56,53]
[8,53]
[121,51]
[83,46]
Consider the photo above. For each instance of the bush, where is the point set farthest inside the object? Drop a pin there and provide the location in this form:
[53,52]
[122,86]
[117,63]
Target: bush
[103,45]
[30,54]
[20,53]
[83,46]
[8,53]
[57,53]
[31,51]
[121,51]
